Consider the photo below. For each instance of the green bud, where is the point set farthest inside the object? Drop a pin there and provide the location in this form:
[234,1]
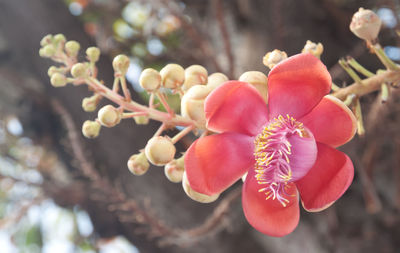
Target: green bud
[121,64]
[93,54]
[79,70]
[58,80]
[47,51]
[46,40]
[59,38]
[72,48]
[52,70]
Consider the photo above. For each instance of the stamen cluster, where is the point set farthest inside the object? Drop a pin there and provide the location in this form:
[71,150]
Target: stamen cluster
[272,151]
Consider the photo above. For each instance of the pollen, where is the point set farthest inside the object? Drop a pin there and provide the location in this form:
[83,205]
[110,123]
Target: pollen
[272,154]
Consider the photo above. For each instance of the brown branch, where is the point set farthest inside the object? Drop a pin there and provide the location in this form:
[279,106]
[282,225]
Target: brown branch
[372,201]
[211,224]
[77,149]
[219,13]
[368,85]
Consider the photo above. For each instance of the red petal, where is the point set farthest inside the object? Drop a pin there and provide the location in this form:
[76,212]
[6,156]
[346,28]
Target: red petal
[327,180]
[215,162]
[331,122]
[236,107]
[269,216]
[296,85]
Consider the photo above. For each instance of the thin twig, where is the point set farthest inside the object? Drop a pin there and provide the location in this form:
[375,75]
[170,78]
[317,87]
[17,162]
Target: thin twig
[77,149]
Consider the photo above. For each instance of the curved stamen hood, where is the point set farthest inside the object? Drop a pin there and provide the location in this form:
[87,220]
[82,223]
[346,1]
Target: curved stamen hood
[281,140]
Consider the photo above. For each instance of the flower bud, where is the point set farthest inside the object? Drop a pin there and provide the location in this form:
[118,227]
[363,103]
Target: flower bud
[121,64]
[259,80]
[52,70]
[150,80]
[313,48]
[59,38]
[138,164]
[48,39]
[79,70]
[109,116]
[72,48]
[89,104]
[244,177]
[273,58]
[194,75]
[47,51]
[174,170]
[91,129]
[365,24]
[93,54]
[202,198]
[141,120]
[172,76]
[58,80]
[192,103]
[216,79]
[160,150]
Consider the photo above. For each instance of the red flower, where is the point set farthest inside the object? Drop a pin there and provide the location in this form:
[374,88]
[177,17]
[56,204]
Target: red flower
[287,147]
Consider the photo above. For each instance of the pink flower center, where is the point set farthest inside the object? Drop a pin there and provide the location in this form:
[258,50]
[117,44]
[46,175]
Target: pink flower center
[272,153]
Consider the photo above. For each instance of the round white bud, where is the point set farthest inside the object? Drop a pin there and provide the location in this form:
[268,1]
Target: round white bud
[244,177]
[121,64]
[259,81]
[194,75]
[91,129]
[150,80]
[199,197]
[172,76]
[365,24]
[160,150]
[216,79]
[174,170]
[192,103]
[109,116]
[138,164]
[89,104]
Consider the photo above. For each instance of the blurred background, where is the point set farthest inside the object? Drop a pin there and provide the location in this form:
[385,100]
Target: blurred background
[62,193]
